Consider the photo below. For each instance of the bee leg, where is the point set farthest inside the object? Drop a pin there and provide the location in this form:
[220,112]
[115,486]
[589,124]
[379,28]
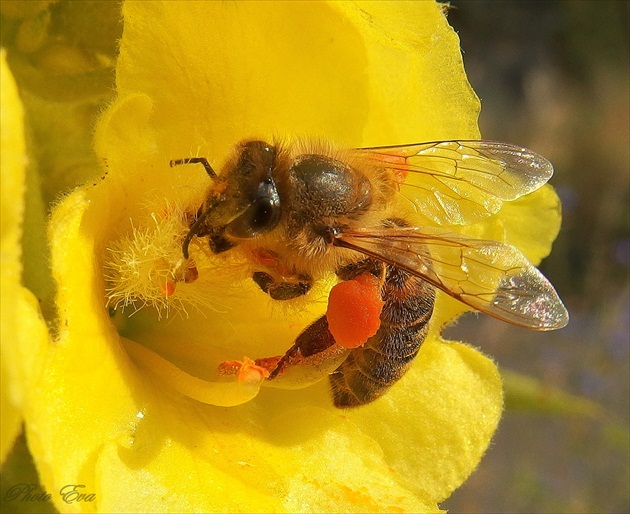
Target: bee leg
[313,356]
[282,290]
[219,244]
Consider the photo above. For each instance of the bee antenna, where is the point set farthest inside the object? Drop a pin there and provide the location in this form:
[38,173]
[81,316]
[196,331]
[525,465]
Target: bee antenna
[195,160]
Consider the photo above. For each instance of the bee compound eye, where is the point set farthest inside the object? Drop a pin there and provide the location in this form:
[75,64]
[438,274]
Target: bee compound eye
[262,215]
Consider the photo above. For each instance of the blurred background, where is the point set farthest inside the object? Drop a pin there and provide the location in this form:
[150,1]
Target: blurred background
[554,76]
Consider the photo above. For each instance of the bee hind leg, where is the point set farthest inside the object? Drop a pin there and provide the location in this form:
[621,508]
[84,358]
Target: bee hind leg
[312,357]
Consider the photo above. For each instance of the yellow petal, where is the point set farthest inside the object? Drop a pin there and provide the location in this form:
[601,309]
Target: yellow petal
[435,425]
[250,69]
[415,72]
[532,223]
[24,334]
[13,161]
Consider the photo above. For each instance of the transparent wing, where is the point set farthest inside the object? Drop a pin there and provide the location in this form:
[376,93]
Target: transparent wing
[461,182]
[492,277]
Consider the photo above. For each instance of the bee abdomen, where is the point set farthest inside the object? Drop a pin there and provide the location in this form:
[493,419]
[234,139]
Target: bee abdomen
[371,369]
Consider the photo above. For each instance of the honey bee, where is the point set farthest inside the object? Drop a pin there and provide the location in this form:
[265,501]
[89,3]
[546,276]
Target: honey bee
[301,213]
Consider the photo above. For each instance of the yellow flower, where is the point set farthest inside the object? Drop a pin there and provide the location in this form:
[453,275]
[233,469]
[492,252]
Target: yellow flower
[115,411]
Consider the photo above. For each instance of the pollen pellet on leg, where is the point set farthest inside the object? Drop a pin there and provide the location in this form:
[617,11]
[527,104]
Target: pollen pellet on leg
[244,371]
[354,310]
[250,372]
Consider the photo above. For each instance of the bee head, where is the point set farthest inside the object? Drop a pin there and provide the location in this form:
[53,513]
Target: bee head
[243,202]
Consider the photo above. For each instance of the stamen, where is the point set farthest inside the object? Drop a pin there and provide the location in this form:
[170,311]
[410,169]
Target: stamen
[144,267]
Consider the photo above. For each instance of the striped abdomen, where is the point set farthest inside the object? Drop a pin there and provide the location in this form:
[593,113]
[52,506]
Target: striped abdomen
[374,367]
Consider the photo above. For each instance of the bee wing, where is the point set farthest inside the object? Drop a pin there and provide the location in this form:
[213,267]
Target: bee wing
[492,277]
[460,182]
